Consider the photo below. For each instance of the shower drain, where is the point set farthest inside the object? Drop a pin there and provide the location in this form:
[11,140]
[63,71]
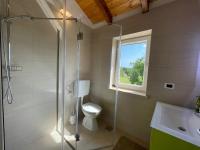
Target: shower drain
[182,129]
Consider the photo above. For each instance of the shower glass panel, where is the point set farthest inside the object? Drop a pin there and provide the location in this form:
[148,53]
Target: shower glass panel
[31,50]
[106,134]
[30,121]
[78,68]
[71,133]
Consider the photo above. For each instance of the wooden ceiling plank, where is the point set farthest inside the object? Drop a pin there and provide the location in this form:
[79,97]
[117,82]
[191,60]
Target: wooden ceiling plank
[145,5]
[125,7]
[91,9]
[105,10]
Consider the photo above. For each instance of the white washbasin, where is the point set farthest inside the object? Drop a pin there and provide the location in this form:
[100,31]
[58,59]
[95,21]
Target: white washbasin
[173,120]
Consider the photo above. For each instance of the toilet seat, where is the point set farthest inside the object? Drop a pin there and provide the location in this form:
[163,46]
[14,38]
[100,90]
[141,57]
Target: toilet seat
[91,108]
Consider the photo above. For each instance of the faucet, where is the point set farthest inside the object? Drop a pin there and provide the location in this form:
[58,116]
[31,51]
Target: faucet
[197,110]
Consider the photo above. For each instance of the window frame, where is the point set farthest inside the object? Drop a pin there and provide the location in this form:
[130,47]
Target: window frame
[138,37]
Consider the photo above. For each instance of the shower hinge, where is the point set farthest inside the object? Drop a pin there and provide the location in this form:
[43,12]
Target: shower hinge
[80,36]
[77,137]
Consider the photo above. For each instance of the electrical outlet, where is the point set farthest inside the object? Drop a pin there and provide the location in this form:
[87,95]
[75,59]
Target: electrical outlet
[170,86]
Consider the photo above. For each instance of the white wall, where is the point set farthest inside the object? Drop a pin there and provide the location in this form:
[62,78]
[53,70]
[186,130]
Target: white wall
[174,57]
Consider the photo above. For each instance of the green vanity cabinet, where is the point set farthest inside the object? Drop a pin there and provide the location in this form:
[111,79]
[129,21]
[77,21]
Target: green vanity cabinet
[164,141]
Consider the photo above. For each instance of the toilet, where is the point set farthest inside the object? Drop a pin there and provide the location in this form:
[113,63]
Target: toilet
[90,110]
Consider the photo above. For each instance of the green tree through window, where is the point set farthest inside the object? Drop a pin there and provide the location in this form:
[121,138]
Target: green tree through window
[133,75]
[136,73]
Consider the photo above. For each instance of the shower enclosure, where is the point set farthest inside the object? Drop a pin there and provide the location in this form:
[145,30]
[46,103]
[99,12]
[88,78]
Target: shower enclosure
[41,64]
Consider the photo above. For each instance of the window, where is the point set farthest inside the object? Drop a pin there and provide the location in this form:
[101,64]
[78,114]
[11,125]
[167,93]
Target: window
[129,64]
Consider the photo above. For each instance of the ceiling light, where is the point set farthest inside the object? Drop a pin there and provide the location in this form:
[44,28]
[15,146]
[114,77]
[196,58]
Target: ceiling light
[67,13]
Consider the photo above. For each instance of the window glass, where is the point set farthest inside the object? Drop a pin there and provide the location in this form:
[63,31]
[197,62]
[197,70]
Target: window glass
[132,59]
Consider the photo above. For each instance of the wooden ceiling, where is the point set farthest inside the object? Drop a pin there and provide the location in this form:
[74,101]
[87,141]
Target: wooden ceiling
[105,10]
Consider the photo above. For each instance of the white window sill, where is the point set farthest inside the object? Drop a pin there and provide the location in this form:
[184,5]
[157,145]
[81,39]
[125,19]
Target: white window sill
[141,93]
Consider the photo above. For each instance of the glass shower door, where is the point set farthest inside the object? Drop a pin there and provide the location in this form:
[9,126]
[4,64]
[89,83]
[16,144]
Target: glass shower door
[30,60]
[30,120]
[71,128]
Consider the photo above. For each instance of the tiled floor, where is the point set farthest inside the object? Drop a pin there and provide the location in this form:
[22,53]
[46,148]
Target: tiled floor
[95,140]
[92,139]
[127,144]
[42,143]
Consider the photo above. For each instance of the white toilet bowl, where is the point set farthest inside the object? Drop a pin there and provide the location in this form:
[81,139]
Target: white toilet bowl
[91,112]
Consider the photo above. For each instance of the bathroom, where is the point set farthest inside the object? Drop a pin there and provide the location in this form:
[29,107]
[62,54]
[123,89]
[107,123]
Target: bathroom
[45,51]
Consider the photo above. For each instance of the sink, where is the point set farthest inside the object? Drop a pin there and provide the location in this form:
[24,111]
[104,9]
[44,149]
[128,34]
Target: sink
[179,122]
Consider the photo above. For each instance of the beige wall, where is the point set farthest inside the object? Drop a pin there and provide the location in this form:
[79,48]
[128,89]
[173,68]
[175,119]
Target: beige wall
[174,57]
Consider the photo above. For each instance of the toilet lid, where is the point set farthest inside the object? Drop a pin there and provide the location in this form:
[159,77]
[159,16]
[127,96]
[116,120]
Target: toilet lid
[91,108]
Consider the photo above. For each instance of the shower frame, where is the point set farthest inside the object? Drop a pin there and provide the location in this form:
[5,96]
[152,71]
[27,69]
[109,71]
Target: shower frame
[31,18]
[64,19]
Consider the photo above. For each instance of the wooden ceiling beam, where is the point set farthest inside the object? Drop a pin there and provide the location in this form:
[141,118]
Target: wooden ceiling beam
[105,10]
[145,5]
